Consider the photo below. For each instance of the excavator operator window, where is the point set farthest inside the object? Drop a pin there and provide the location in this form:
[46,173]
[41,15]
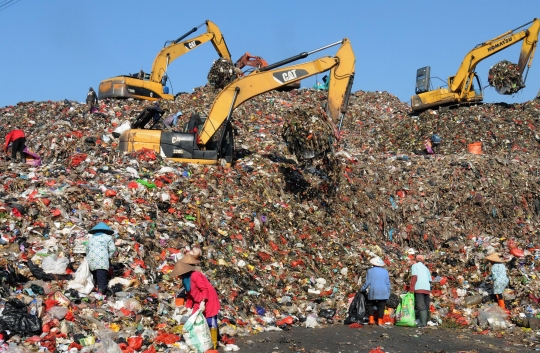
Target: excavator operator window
[423,80]
[478,88]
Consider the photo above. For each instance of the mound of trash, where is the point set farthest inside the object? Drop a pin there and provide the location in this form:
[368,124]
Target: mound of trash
[284,243]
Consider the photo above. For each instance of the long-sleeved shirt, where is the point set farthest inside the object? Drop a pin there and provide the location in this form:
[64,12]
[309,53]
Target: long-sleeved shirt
[378,282]
[200,290]
[12,136]
[500,280]
[99,250]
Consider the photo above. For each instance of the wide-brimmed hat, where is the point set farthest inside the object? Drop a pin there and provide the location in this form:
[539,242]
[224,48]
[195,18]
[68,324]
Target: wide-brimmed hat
[181,268]
[101,228]
[190,259]
[495,257]
[411,251]
[377,261]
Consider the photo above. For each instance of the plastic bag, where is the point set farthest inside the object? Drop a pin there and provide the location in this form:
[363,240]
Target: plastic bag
[133,304]
[58,312]
[311,321]
[473,300]
[393,301]
[376,350]
[83,282]
[197,333]
[168,338]
[38,273]
[494,317]
[54,265]
[108,345]
[357,309]
[327,313]
[16,319]
[126,125]
[405,311]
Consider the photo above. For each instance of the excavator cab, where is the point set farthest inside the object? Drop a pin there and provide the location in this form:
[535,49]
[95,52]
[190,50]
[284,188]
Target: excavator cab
[423,80]
[182,145]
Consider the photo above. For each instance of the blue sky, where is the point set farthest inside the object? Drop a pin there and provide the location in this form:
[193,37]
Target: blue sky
[56,49]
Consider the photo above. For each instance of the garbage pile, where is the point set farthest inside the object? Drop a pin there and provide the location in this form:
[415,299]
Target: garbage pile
[222,73]
[375,126]
[283,243]
[505,77]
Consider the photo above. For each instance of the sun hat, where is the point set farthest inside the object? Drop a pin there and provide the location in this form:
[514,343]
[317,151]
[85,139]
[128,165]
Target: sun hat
[101,228]
[181,268]
[411,251]
[495,257]
[377,261]
[190,259]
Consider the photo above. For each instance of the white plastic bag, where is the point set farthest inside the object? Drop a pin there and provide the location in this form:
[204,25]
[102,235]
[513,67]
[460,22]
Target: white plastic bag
[126,125]
[311,321]
[54,265]
[82,282]
[197,333]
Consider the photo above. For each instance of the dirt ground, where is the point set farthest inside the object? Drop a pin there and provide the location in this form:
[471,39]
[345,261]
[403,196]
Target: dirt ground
[343,339]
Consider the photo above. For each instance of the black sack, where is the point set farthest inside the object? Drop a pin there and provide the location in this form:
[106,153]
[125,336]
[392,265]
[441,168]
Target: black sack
[327,313]
[357,310]
[38,273]
[16,319]
[393,301]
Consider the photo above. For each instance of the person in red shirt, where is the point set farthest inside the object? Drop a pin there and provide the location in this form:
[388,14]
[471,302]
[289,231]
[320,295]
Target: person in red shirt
[18,140]
[200,294]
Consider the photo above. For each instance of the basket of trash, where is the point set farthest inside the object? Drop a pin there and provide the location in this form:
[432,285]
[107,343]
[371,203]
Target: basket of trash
[475,148]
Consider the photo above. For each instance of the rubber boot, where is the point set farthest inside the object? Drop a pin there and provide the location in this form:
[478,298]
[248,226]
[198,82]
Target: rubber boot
[371,320]
[501,303]
[423,318]
[213,335]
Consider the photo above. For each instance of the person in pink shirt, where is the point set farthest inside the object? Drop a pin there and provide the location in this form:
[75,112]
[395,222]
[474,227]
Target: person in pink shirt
[200,294]
[18,140]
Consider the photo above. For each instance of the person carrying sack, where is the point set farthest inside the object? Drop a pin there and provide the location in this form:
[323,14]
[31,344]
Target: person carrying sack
[378,282]
[421,287]
[199,294]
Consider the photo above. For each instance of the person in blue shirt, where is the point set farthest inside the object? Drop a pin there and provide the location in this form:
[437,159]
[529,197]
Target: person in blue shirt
[498,276]
[378,283]
[99,250]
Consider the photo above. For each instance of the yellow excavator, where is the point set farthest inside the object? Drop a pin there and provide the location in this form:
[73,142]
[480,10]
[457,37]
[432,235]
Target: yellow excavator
[213,143]
[152,86]
[462,87]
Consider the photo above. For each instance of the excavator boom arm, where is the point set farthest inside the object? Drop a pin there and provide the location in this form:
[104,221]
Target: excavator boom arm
[170,53]
[487,49]
[341,68]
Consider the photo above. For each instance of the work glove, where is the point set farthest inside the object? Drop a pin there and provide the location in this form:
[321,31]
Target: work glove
[202,306]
